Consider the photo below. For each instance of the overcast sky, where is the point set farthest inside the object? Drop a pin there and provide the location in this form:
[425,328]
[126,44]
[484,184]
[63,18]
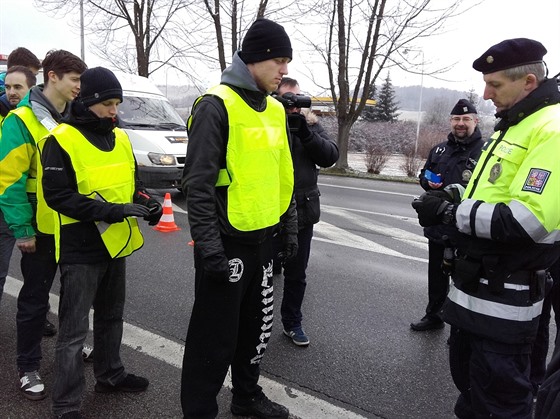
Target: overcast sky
[468,36]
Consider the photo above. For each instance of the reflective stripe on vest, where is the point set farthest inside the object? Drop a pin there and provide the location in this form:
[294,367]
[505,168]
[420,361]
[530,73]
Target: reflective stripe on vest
[44,215]
[508,316]
[107,176]
[494,309]
[259,170]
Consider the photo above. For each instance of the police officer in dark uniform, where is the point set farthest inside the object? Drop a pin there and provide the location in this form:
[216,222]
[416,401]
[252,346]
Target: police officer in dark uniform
[510,225]
[451,162]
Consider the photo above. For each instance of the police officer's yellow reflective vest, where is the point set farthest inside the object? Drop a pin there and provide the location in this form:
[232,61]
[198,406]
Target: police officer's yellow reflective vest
[44,215]
[514,168]
[259,171]
[106,176]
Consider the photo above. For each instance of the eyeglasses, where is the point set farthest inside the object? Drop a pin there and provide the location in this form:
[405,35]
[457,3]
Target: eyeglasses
[458,119]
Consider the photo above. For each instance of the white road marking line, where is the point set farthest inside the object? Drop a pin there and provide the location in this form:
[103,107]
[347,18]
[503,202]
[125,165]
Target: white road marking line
[300,404]
[395,233]
[353,188]
[412,220]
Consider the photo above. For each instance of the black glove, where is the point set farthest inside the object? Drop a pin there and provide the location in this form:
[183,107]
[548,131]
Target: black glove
[217,267]
[135,210]
[289,249]
[156,211]
[430,207]
[298,125]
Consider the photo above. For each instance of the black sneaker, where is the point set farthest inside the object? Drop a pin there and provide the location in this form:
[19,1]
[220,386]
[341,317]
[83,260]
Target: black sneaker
[260,407]
[31,385]
[131,384]
[49,329]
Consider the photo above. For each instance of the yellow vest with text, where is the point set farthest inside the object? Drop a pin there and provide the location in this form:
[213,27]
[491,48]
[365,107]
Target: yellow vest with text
[108,176]
[44,215]
[259,171]
[508,151]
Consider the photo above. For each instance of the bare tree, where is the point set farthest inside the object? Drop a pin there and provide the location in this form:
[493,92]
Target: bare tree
[438,110]
[147,25]
[234,11]
[362,38]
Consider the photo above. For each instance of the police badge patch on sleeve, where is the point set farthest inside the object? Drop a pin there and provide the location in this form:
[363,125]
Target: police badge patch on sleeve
[536,180]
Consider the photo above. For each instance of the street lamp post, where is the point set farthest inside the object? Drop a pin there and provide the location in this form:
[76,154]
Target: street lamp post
[419,106]
[82,41]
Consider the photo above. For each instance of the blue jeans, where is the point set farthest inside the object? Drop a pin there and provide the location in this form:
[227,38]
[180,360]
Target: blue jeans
[294,281]
[7,242]
[102,285]
[38,270]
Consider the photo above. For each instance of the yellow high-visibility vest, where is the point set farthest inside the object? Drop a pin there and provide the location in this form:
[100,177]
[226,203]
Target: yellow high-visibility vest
[107,176]
[259,171]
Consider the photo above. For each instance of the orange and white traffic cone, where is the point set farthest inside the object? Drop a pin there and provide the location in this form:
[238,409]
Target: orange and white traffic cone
[167,222]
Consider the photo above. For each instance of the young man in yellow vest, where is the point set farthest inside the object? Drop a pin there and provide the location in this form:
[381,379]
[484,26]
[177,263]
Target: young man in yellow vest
[238,179]
[25,210]
[90,182]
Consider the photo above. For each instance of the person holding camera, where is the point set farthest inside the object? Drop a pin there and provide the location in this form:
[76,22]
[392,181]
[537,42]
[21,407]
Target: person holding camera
[311,147]
[449,162]
[238,180]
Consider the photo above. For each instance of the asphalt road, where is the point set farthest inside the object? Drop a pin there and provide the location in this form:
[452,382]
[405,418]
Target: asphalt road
[366,283]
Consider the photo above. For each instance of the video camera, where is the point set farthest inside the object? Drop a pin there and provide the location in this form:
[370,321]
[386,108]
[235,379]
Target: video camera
[291,100]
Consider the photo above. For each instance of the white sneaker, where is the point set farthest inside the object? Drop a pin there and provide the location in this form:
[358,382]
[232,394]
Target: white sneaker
[87,353]
[32,386]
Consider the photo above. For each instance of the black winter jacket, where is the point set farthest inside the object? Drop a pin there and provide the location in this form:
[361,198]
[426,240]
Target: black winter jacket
[455,161]
[308,153]
[206,155]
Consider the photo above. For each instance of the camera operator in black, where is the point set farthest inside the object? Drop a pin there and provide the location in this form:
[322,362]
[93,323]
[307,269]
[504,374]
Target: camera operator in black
[453,160]
[311,147]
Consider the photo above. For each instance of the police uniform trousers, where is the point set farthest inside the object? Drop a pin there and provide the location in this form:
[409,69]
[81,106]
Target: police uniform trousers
[493,377]
[230,324]
[438,281]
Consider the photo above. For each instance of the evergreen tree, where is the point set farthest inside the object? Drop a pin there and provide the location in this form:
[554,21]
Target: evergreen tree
[367,113]
[387,106]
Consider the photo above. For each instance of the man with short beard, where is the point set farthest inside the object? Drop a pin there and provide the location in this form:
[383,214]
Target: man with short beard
[453,161]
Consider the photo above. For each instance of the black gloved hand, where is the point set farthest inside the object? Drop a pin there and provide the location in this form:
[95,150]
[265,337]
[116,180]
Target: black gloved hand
[216,267]
[289,249]
[298,124]
[156,211]
[135,210]
[430,207]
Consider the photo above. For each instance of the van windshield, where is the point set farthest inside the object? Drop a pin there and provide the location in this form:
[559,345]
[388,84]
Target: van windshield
[149,113]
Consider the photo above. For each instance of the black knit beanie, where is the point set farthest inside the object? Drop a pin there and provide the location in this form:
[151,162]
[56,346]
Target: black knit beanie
[98,84]
[264,40]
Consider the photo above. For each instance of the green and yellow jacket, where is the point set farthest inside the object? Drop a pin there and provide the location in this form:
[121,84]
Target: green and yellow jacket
[20,199]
